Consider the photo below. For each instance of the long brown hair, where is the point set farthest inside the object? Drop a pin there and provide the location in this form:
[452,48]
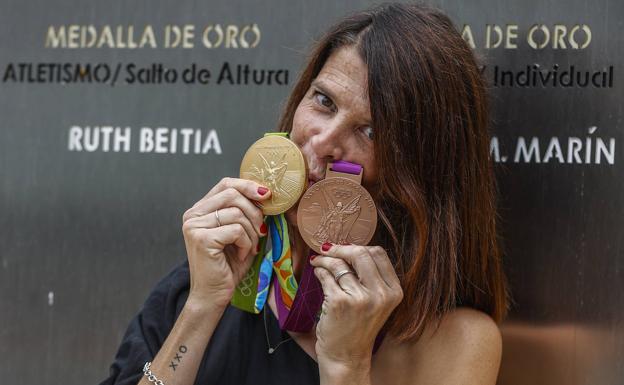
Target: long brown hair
[437,193]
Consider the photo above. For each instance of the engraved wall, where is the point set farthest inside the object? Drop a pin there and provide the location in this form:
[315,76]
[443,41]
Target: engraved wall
[115,117]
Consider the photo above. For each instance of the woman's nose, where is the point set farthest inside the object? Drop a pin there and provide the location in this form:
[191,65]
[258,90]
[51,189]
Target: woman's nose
[327,143]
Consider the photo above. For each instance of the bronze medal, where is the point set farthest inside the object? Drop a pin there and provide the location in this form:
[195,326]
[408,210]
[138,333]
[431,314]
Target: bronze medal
[337,210]
[277,163]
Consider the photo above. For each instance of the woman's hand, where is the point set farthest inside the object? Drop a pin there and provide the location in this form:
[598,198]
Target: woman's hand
[221,246]
[356,307]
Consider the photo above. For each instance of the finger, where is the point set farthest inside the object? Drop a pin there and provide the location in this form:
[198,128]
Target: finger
[227,216]
[348,282]
[230,198]
[233,234]
[233,197]
[333,292]
[248,188]
[385,267]
[360,259]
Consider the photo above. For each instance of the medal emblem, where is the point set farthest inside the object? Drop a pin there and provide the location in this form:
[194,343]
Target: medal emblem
[276,162]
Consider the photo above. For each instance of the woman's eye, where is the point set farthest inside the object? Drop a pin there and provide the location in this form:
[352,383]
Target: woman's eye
[368,132]
[323,100]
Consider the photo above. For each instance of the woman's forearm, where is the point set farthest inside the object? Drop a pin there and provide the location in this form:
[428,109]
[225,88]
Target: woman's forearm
[179,358]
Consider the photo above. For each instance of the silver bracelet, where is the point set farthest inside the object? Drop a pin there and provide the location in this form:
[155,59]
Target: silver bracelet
[150,376]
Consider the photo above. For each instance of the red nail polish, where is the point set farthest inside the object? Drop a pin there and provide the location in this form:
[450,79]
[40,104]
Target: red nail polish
[263,228]
[258,248]
[312,257]
[326,246]
[262,190]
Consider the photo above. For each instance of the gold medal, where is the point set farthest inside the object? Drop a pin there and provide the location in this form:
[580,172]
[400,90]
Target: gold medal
[337,209]
[277,163]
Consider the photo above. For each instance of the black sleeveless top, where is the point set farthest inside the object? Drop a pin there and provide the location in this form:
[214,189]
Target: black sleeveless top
[237,353]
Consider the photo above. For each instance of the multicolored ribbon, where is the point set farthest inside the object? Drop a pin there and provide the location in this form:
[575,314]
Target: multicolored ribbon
[251,293]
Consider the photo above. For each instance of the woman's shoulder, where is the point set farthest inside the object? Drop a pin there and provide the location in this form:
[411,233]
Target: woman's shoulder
[465,344]
[178,275]
[464,335]
[168,296]
[467,325]
[470,343]
[462,324]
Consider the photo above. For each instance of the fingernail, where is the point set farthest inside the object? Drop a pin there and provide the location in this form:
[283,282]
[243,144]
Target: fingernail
[326,246]
[312,256]
[258,247]
[263,228]
[262,190]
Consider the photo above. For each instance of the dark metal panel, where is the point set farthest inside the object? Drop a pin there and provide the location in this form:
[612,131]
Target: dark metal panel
[85,235]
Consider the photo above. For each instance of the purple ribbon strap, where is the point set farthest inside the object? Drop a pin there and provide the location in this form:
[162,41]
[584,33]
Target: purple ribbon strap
[346,167]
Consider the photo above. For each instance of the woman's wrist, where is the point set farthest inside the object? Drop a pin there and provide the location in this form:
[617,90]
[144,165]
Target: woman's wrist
[356,372]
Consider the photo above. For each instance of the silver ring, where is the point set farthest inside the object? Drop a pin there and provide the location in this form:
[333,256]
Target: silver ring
[217,216]
[341,273]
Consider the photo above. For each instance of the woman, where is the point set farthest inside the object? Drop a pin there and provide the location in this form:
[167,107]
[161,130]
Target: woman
[396,90]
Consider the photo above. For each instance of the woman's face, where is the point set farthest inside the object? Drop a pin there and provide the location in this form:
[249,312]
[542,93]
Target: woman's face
[333,121]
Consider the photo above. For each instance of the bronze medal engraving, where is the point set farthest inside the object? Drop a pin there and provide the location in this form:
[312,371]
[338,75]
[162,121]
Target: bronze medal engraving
[276,162]
[336,210]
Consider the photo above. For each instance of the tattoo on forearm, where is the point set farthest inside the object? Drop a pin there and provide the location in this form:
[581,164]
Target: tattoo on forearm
[182,349]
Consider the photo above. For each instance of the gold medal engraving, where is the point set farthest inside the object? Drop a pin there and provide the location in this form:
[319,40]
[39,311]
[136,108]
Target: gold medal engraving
[276,162]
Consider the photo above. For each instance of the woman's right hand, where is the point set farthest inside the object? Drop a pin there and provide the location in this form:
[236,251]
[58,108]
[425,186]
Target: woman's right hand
[221,251]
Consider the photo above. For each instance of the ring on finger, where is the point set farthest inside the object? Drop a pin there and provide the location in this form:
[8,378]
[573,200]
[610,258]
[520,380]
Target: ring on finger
[341,273]
[217,216]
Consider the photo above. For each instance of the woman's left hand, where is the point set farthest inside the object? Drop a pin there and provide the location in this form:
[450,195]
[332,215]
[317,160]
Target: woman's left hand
[356,307]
